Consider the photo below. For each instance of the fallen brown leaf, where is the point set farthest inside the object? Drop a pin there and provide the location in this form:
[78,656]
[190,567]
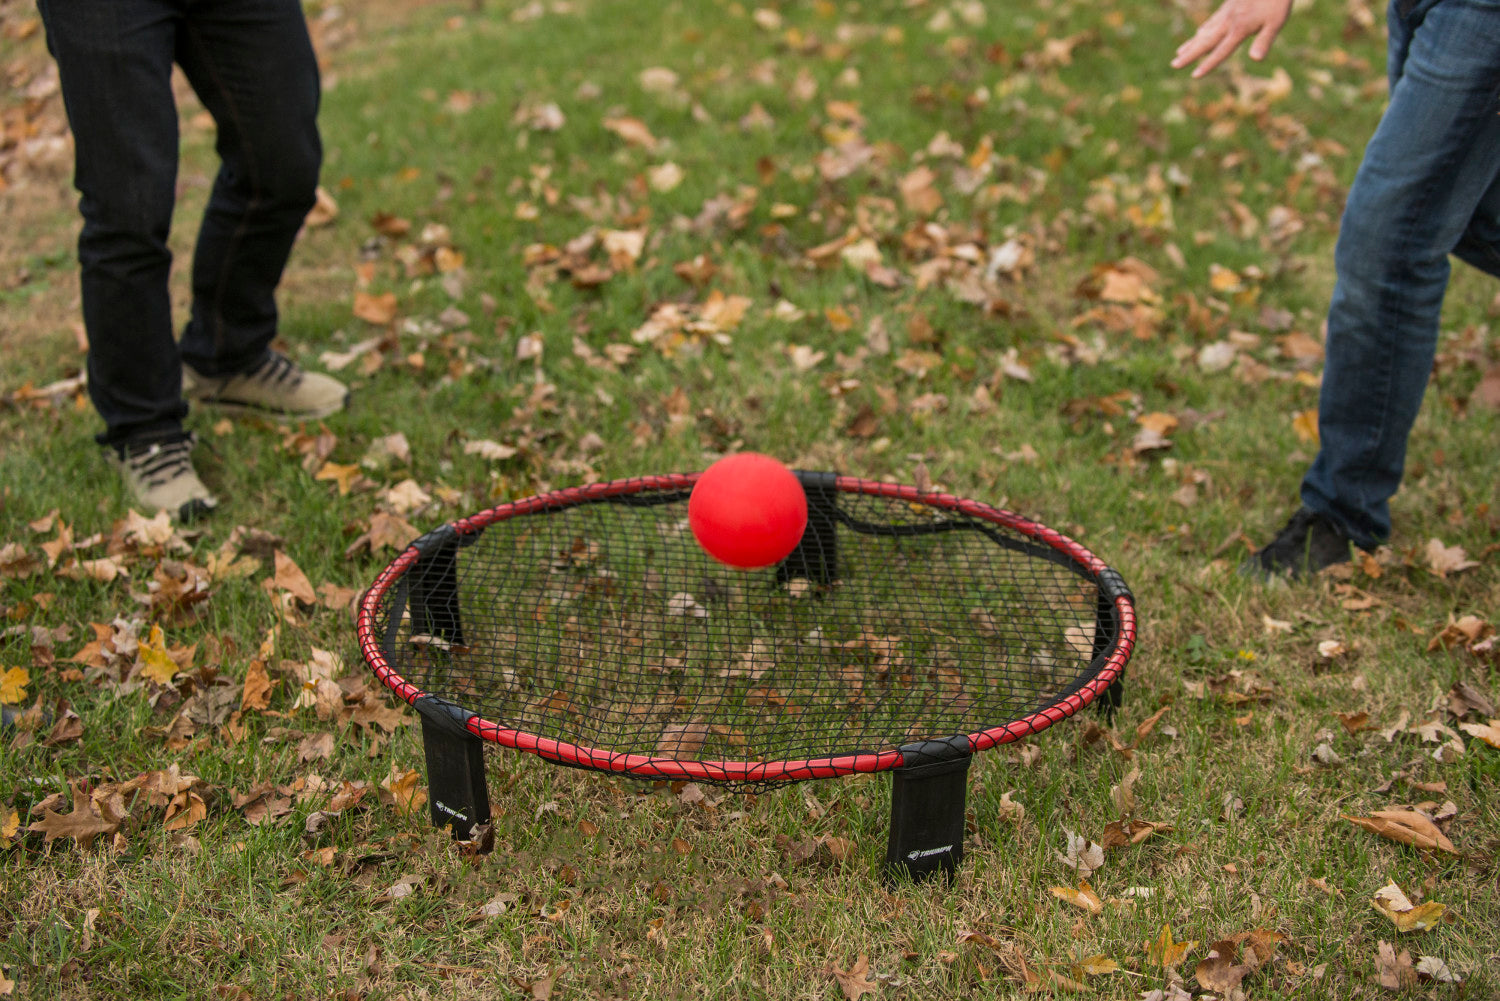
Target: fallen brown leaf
[855,982]
[1487,732]
[1394,970]
[1083,897]
[1406,826]
[1391,901]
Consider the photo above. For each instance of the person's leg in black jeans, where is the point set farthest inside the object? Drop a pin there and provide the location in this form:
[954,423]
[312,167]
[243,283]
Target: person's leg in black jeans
[253,67]
[115,62]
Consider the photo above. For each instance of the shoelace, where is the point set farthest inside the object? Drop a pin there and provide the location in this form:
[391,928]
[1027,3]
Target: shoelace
[160,462]
[276,368]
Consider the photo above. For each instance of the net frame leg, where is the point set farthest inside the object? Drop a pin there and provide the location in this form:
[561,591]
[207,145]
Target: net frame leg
[457,794]
[928,819]
[434,586]
[1106,635]
[816,556]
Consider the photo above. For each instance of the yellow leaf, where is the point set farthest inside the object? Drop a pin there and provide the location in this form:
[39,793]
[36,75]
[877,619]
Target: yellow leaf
[1097,966]
[407,794]
[13,683]
[838,318]
[156,663]
[1222,279]
[1166,953]
[723,313]
[1305,424]
[1489,733]
[1161,423]
[1393,903]
[1084,897]
[343,475]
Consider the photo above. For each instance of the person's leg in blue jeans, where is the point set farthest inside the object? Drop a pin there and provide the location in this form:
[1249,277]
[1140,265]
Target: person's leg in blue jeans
[1427,187]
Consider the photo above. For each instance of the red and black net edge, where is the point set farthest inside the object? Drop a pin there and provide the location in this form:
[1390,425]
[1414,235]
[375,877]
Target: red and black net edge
[586,626]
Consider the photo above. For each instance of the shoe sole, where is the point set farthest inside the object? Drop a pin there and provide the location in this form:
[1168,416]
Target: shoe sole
[252,410]
[195,509]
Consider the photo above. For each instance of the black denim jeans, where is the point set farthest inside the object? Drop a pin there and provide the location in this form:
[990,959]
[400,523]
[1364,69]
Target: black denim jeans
[252,65]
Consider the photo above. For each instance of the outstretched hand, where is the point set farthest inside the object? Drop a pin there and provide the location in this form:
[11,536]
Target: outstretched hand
[1231,24]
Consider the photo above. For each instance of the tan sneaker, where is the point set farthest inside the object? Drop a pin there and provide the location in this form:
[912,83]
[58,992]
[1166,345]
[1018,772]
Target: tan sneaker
[278,387]
[160,475]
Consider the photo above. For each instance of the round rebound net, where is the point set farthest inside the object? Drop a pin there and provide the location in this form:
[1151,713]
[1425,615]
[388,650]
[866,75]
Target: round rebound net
[906,631]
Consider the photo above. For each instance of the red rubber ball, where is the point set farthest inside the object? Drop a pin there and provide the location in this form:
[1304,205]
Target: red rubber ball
[748,510]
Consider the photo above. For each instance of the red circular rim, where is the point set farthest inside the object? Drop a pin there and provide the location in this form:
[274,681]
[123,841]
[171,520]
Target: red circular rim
[648,766]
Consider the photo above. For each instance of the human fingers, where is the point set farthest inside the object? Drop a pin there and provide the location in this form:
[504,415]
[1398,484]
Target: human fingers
[1263,40]
[1208,35]
[1220,52]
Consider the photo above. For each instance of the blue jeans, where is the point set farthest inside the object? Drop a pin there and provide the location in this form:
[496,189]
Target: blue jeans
[252,65]
[1428,186]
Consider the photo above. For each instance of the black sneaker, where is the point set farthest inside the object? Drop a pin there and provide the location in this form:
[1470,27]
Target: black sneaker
[160,476]
[1307,544]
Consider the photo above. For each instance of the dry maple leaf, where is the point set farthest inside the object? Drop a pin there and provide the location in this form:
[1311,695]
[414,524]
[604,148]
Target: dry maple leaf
[289,577]
[855,981]
[1220,972]
[1164,952]
[345,475]
[374,712]
[83,824]
[682,740]
[1123,794]
[1391,901]
[156,663]
[1443,560]
[10,823]
[1466,631]
[405,790]
[379,310]
[491,450]
[1083,854]
[256,692]
[1394,970]
[13,682]
[1487,732]
[1433,968]
[1083,897]
[1464,698]
[1305,426]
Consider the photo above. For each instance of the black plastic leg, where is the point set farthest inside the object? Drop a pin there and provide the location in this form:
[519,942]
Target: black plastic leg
[1106,634]
[927,820]
[816,557]
[456,789]
[434,586]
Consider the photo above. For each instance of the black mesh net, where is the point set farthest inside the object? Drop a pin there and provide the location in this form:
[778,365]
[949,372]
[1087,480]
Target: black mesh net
[603,624]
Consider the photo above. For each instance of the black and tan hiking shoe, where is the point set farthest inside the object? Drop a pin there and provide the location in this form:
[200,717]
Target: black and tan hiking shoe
[277,387]
[160,476]
[1308,543]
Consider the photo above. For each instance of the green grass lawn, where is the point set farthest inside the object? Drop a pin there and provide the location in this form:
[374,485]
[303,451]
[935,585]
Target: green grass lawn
[1002,250]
